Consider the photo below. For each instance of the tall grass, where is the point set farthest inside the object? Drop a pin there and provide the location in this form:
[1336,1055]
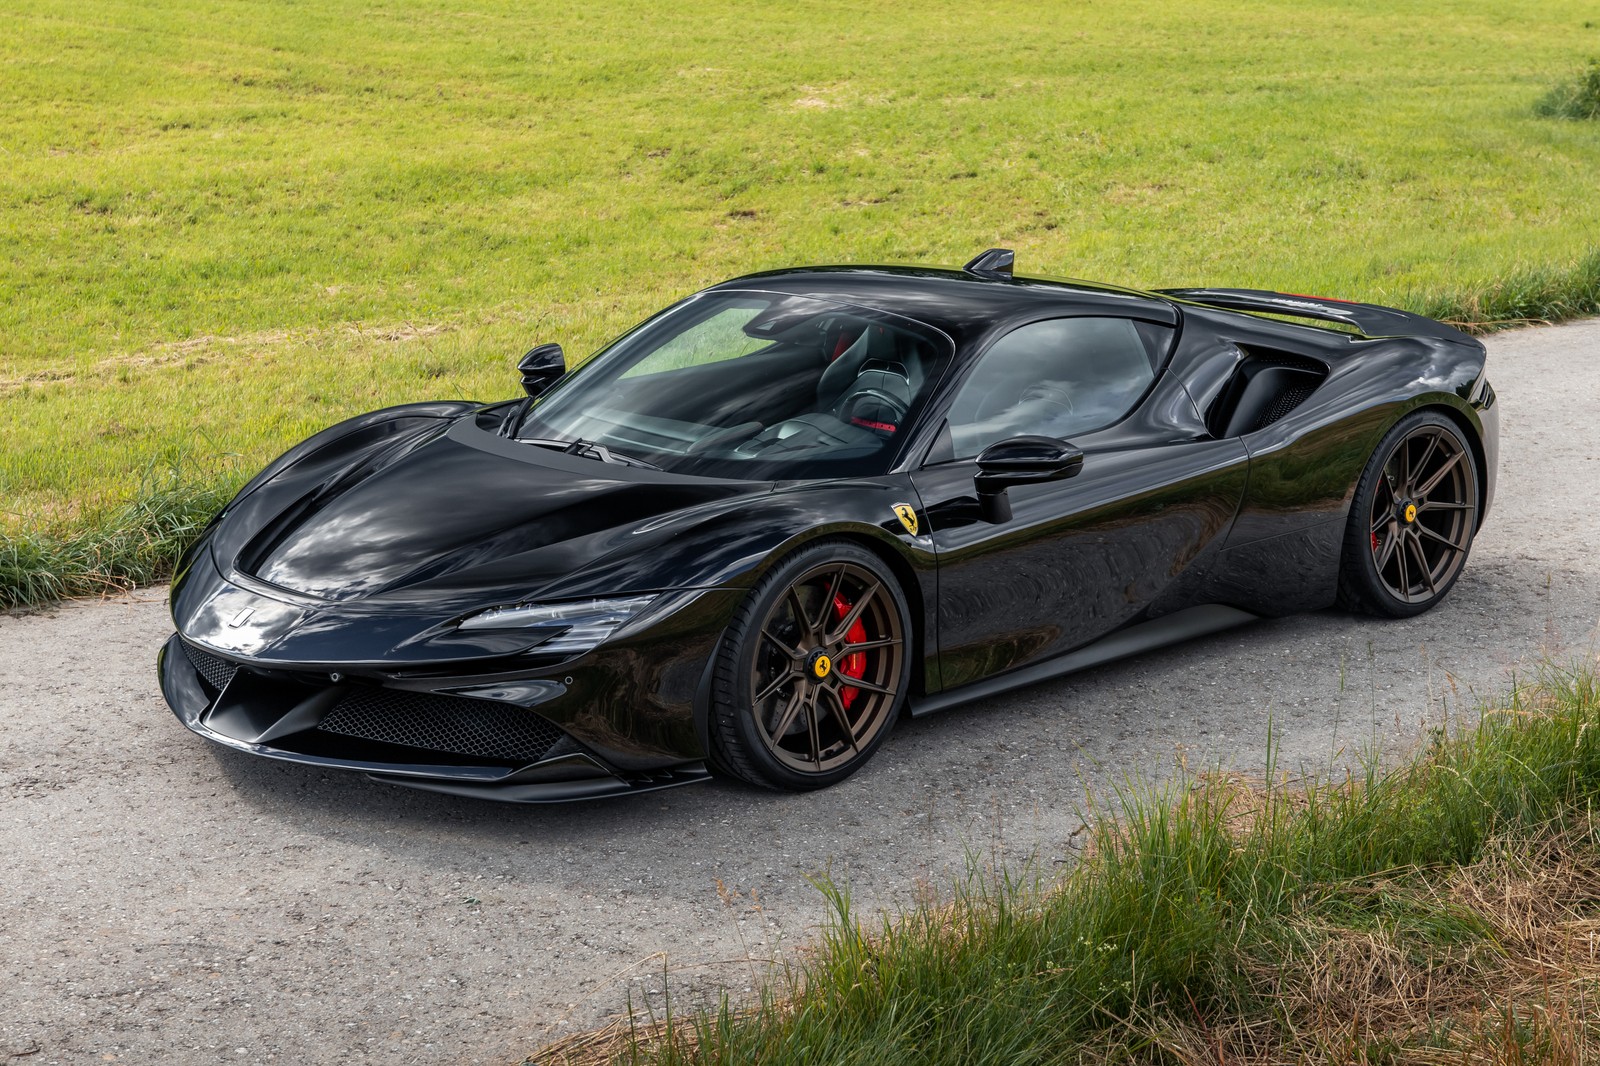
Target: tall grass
[1578,98]
[1356,920]
[113,548]
[1526,295]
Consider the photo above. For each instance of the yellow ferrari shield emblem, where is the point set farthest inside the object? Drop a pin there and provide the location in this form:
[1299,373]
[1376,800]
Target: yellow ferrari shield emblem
[907,516]
[1411,512]
[822,666]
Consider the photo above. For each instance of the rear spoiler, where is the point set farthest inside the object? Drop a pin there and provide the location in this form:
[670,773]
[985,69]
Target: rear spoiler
[1371,319]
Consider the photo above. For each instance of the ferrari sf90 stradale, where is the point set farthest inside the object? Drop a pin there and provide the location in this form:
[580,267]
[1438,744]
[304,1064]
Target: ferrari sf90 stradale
[755,530]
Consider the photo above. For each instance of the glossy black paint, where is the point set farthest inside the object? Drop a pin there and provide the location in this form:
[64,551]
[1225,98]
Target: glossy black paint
[345,566]
[1020,461]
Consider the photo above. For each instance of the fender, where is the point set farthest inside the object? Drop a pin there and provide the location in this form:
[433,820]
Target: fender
[732,543]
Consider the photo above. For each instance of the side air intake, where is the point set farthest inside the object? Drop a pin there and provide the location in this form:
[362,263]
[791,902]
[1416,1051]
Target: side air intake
[1266,386]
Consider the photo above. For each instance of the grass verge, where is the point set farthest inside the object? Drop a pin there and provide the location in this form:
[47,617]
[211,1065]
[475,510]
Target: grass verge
[1525,296]
[114,548]
[1442,910]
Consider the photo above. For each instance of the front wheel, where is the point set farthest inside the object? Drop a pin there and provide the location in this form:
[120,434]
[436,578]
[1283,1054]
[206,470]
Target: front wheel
[813,670]
[1412,520]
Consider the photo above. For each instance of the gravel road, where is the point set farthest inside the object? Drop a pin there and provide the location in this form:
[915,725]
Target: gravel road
[165,901]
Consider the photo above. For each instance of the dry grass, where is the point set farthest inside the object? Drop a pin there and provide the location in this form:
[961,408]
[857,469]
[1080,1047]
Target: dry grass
[613,1041]
[1522,990]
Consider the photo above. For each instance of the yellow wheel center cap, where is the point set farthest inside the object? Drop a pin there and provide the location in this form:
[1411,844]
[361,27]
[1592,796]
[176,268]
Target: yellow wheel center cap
[1411,512]
[821,666]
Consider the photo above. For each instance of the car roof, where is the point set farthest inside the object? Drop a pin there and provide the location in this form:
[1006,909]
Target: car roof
[961,304]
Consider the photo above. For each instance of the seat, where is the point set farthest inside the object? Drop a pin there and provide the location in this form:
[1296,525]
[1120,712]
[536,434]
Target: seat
[862,399]
[872,383]
[878,399]
[841,373]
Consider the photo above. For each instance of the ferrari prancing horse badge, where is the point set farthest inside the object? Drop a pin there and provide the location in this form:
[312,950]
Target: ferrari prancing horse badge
[907,516]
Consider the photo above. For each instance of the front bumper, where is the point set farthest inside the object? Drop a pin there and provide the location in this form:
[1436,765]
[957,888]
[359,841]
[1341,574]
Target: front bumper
[502,742]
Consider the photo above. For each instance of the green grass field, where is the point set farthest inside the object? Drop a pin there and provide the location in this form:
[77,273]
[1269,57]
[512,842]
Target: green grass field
[229,223]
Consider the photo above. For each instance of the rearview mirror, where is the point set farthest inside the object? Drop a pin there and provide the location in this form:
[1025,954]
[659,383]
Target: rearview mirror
[542,367]
[1020,461]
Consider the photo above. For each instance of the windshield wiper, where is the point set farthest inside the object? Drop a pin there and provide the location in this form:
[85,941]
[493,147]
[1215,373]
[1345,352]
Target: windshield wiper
[588,449]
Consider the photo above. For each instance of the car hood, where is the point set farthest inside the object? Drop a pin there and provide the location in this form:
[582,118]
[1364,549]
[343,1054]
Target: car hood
[464,509]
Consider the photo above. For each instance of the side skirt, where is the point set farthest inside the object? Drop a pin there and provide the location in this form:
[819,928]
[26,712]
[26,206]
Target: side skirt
[1168,629]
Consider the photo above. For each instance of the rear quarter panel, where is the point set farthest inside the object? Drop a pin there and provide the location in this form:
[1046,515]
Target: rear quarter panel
[1283,552]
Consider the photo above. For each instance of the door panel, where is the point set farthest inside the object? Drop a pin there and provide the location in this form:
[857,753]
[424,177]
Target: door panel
[1080,557]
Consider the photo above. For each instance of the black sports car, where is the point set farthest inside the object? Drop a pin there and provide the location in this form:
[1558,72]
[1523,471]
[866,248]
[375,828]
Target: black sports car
[751,532]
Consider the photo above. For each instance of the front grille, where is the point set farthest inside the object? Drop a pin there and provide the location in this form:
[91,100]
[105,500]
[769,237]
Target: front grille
[452,724]
[214,668]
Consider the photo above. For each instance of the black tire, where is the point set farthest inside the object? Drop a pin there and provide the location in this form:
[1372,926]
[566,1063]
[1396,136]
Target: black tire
[1412,520]
[797,701]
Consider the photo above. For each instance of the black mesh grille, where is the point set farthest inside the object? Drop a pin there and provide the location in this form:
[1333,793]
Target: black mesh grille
[442,723]
[1284,402]
[214,668]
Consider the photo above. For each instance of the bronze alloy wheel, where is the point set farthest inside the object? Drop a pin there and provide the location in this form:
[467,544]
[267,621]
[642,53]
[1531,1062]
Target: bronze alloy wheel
[813,671]
[824,674]
[1418,508]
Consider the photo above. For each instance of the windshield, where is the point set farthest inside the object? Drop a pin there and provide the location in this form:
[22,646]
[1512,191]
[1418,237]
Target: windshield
[749,385]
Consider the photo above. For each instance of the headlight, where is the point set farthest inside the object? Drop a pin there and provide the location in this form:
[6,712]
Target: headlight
[572,627]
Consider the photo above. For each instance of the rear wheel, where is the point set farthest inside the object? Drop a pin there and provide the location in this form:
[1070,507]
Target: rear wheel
[1412,520]
[813,670]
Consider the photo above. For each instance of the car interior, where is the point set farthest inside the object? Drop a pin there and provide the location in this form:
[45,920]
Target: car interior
[833,386]
[816,389]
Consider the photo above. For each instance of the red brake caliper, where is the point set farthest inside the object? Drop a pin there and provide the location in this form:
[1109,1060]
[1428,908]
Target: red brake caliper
[852,665]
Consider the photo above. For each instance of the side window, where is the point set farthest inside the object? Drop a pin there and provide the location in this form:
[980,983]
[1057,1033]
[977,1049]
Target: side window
[1056,379]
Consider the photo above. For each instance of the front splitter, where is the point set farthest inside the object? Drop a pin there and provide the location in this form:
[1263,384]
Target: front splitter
[557,791]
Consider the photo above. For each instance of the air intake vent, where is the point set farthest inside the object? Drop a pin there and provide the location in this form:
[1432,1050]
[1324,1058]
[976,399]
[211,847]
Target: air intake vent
[1266,385]
[216,670]
[1286,400]
[451,724]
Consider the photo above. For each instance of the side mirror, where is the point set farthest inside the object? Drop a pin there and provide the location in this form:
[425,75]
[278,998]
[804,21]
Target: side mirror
[542,367]
[1020,461]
